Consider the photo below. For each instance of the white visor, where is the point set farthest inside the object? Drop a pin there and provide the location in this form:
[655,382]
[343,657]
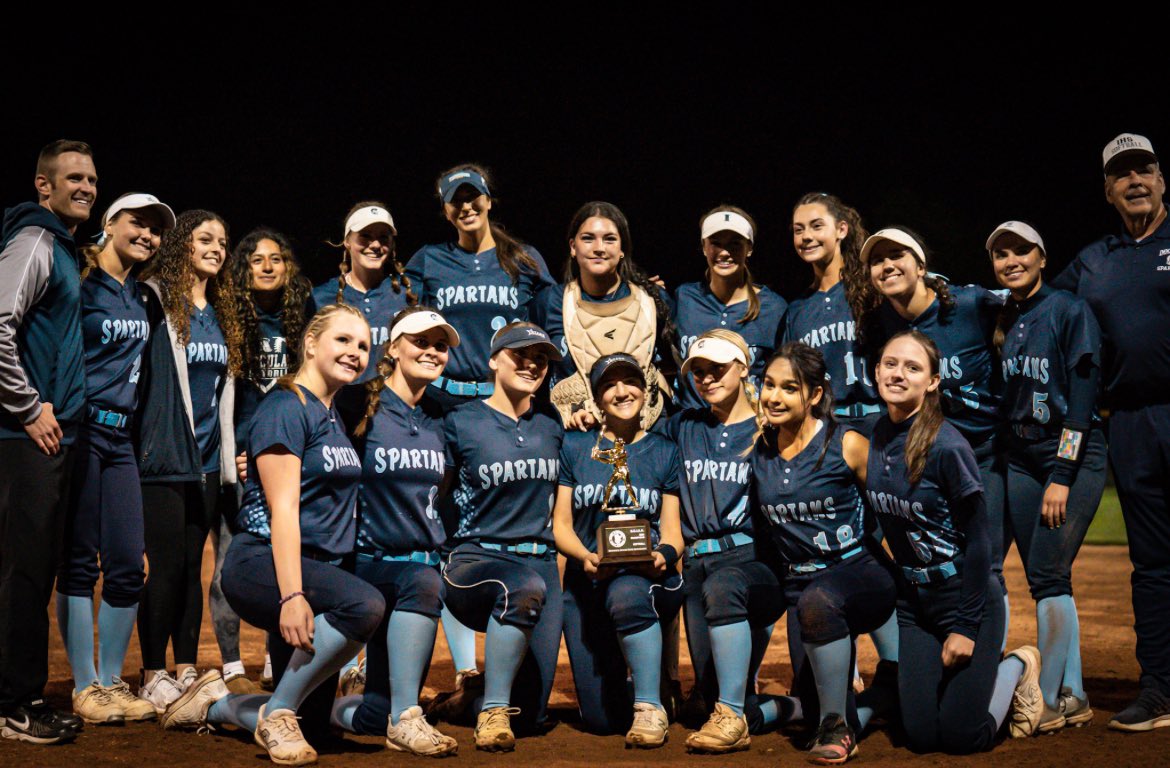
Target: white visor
[420,322]
[894,236]
[364,217]
[137,201]
[716,350]
[1019,228]
[730,221]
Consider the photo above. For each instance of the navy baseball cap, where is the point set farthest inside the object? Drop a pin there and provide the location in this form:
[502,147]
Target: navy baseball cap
[453,181]
[618,360]
[521,336]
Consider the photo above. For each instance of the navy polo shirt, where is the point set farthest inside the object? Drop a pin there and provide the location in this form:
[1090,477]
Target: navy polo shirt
[970,385]
[402,469]
[508,472]
[698,310]
[917,519]
[824,321]
[716,473]
[207,366]
[330,471]
[815,513]
[654,471]
[115,330]
[476,296]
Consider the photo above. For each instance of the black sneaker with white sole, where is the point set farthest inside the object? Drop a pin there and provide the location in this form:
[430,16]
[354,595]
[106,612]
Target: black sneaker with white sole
[38,723]
[1149,711]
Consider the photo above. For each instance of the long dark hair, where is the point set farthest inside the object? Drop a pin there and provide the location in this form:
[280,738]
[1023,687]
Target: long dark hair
[395,273]
[860,294]
[946,302]
[809,370]
[294,297]
[627,270]
[929,419]
[753,310]
[510,251]
[1010,311]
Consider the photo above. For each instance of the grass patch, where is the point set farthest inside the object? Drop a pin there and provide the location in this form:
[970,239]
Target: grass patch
[1107,527]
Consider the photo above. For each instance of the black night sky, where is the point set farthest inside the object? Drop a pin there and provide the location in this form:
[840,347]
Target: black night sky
[949,136]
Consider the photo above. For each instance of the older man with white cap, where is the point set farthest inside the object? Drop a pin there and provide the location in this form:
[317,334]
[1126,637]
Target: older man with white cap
[1126,280]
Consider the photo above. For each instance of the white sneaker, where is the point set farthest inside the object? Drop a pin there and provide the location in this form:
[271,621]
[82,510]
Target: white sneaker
[649,729]
[190,709]
[188,678]
[280,734]
[161,692]
[353,680]
[1027,701]
[134,708]
[95,705]
[415,735]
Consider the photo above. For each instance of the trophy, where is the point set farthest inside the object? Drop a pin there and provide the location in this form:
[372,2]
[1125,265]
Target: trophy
[622,539]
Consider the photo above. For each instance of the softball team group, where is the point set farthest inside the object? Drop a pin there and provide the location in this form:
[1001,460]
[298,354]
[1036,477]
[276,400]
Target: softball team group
[415,444]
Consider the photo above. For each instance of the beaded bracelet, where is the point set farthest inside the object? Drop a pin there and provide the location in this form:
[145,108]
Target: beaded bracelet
[286,598]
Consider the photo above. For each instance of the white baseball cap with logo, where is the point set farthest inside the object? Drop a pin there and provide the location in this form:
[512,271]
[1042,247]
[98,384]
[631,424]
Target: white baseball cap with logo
[718,351]
[1026,231]
[1126,144]
[137,201]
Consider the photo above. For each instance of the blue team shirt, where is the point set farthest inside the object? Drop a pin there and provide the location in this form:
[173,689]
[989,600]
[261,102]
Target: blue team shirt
[114,330]
[206,373]
[654,471]
[816,514]
[917,519]
[276,353]
[970,385]
[330,471]
[379,306]
[1127,285]
[508,472]
[1053,333]
[698,310]
[402,468]
[476,296]
[824,321]
[716,475]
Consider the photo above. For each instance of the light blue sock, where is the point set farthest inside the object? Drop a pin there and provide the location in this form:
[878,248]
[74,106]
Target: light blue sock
[782,709]
[731,648]
[343,711]
[1007,621]
[115,625]
[242,711]
[75,620]
[643,652]
[1073,679]
[885,639]
[412,638]
[504,649]
[1006,678]
[460,642]
[1056,632]
[761,636]
[306,671]
[832,672]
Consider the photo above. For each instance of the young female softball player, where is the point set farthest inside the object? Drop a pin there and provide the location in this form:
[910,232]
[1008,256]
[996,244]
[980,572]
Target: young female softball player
[961,321]
[806,474]
[297,522]
[923,480]
[105,524]
[186,441]
[275,302]
[501,577]
[399,535]
[732,597]
[727,299]
[481,280]
[1055,452]
[614,617]
[606,305]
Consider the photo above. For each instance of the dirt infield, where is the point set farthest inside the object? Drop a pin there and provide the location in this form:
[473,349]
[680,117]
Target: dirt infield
[1102,583]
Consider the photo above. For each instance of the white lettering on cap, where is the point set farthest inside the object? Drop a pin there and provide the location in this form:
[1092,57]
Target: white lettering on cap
[460,175]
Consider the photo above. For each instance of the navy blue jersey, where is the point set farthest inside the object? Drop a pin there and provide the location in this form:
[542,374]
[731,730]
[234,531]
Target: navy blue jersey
[1127,285]
[716,475]
[330,471]
[815,514]
[476,296]
[402,469]
[508,472]
[1054,332]
[206,373]
[654,470]
[824,321]
[698,310]
[917,519]
[970,383]
[379,306]
[276,353]
[549,315]
[114,329]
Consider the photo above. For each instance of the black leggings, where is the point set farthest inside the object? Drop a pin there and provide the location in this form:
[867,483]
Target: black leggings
[177,519]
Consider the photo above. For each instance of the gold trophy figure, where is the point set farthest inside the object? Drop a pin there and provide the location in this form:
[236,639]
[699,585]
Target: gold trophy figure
[622,539]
